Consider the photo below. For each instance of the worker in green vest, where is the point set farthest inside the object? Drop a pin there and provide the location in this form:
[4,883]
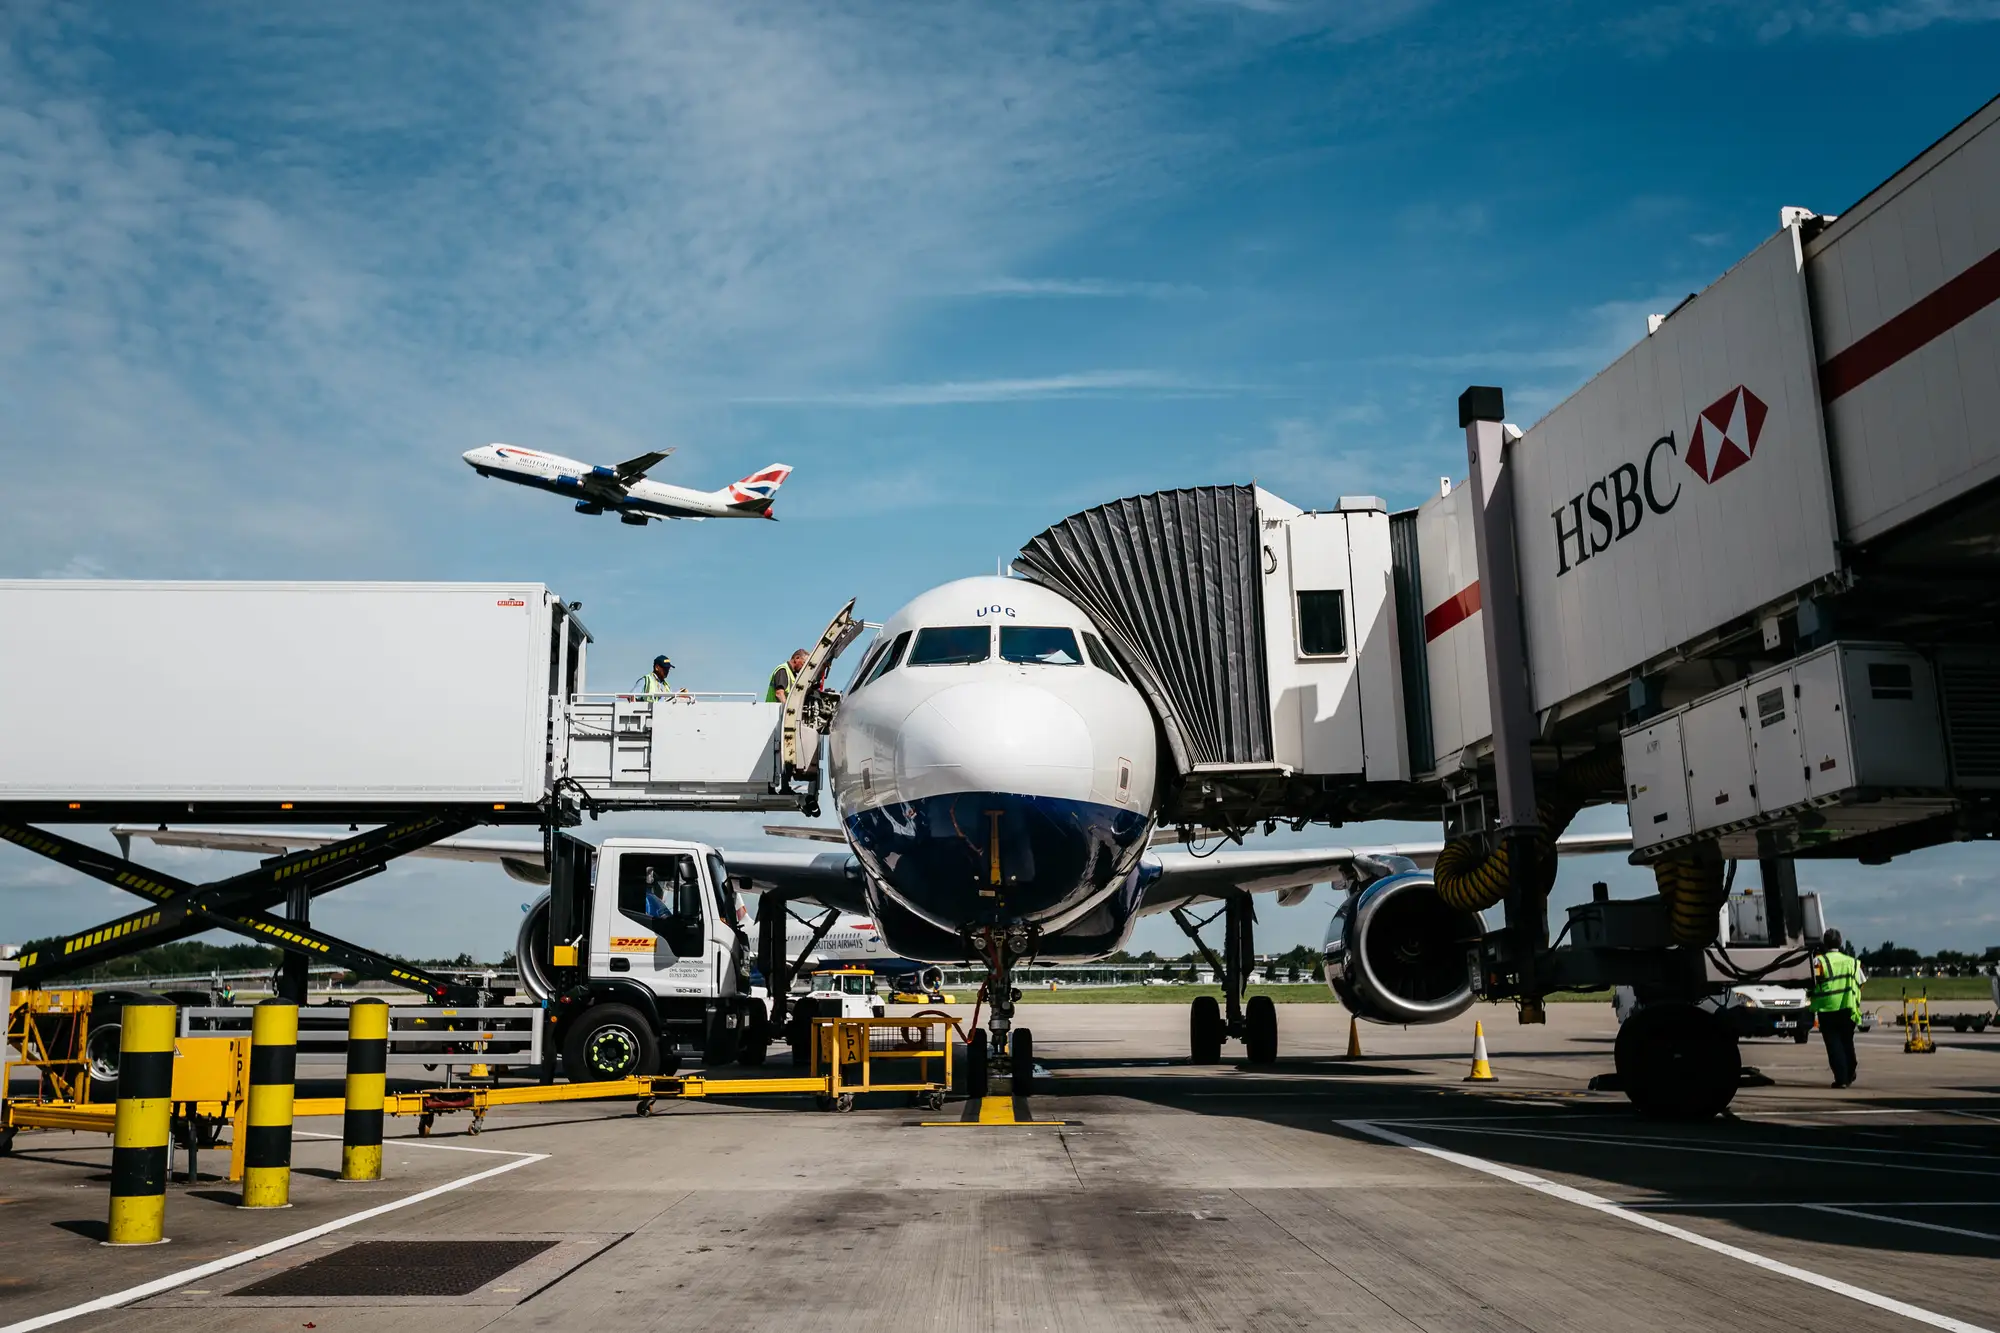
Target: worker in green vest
[653,685]
[1836,1001]
[786,678]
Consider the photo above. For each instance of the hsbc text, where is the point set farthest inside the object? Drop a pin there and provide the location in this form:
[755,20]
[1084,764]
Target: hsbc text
[1611,508]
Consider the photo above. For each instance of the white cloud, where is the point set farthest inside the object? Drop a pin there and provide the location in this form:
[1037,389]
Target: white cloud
[1076,384]
[1081,287]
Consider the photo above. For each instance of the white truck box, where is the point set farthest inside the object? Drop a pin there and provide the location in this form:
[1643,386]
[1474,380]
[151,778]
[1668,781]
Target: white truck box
[281,692]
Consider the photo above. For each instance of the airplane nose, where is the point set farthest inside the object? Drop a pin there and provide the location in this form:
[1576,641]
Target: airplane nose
[997,736]
[471,456]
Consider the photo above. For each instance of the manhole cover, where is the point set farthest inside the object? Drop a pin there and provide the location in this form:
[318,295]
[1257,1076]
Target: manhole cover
[401,1268]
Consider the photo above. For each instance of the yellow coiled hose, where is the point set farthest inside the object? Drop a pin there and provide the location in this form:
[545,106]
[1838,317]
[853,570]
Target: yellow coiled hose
[1694,891]
[1472,877]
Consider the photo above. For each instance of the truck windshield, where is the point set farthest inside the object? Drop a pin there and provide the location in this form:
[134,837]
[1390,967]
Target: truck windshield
[1047,646]
[858,985]
[953,645]
[725,893]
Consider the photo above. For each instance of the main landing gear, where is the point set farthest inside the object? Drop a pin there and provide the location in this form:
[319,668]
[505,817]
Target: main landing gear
[1000,1039]
[1210,1023]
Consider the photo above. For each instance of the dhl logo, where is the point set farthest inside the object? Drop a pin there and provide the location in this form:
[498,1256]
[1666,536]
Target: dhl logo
[632,944]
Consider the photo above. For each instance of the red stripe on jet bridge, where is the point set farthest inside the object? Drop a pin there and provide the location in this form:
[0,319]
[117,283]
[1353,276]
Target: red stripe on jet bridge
[1450,611]
[1935,315]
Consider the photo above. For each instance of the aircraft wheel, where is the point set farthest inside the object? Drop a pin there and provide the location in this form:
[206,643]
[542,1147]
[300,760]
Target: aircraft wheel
[1678,1062]
[975,1065]
[1260,1030]
[1021,1061]
[1205,1030]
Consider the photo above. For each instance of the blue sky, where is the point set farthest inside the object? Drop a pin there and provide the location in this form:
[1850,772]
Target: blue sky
[969,267]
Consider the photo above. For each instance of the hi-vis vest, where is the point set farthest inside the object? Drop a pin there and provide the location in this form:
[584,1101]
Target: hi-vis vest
[1836,983]
[650,686]
[790,677]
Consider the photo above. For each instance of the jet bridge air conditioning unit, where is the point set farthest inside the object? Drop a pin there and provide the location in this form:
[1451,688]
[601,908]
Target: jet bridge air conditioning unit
[1840,743]
[1264,637]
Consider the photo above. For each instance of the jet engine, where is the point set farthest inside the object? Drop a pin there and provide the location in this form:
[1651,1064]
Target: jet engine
[587,507]
[1396,953]
[635,520]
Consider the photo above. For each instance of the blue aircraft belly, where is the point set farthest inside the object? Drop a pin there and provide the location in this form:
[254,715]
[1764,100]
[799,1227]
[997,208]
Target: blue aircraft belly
[938,856]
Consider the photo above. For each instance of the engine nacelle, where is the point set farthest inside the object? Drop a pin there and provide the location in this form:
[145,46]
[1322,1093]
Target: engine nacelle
[588,507]
[1396,953]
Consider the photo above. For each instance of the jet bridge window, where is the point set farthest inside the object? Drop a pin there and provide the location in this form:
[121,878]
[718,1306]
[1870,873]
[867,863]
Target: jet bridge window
[1039,645]
[1100,656]
[886,662]
[662,892]
[1322,623]
[952,645]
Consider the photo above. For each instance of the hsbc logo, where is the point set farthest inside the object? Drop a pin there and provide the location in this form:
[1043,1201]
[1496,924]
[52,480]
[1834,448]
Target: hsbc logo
[1611,508]
[1726,433]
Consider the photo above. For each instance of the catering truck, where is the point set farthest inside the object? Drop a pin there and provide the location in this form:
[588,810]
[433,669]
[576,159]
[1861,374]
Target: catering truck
[405,712]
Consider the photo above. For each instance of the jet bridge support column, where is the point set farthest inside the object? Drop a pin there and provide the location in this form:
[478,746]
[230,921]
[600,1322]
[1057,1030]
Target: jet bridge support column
[1480,410]
[292,971]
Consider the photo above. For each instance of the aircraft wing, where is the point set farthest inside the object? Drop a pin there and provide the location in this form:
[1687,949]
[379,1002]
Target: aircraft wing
[634,468]
[831,879]
[520,857]
[1291,873]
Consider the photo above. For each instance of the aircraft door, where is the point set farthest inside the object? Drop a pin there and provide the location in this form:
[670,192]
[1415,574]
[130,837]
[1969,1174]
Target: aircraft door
[807,714]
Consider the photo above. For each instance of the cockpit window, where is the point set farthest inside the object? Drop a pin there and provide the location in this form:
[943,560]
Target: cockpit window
[1100,656]
[952,645]
[887,661]
[1051,645]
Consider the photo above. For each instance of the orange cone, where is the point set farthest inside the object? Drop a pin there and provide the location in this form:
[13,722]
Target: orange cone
[1353,1038]
[1482,1069]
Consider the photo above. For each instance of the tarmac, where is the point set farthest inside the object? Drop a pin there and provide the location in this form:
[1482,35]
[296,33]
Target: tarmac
[1379,1193]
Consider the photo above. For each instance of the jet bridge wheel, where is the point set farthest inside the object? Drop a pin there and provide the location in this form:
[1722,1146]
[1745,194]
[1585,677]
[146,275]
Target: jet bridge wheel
[1678,1062]
[1260,1030]
[1206,1030]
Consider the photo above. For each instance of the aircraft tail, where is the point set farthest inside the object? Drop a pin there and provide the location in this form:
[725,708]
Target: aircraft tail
[754,493]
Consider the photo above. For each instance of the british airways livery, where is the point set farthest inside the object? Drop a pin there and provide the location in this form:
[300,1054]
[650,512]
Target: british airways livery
[624,489]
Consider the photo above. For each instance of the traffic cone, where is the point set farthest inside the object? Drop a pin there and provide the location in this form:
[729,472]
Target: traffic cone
[1353,1038]
[1482,1071]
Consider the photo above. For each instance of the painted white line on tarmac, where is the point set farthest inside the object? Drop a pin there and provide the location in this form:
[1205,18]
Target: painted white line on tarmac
[1654,1205]
[1899,1221]
[237,1260]
[1585,1199]
[1849,1158]
[406,1141]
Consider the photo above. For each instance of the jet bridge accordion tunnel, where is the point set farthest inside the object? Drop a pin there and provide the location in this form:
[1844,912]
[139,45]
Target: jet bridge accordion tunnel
[1265,639]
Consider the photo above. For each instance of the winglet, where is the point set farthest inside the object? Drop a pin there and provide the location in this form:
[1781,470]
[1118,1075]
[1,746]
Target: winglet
[634,468]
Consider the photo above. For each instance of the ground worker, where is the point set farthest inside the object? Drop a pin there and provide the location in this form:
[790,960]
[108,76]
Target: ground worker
[1836,1002]
[653,685]
[786,678]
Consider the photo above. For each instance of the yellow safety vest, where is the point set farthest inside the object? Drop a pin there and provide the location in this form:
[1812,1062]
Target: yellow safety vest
[1836,983]
[791,682]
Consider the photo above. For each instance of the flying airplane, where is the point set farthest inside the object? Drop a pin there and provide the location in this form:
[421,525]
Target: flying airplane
[994,770]
[624,489]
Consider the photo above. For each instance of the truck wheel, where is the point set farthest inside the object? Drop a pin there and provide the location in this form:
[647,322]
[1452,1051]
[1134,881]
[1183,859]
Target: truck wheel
[1205,1030]
[1260,1030]
[611,1041]
[1678,1062]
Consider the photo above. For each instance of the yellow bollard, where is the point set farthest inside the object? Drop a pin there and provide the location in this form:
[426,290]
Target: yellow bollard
[367,1066]
[1482,1070]
[140,1129]
[267,1146]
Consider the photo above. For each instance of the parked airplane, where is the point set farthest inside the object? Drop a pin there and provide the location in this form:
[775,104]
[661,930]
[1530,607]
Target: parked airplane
[995,771]
[624,489]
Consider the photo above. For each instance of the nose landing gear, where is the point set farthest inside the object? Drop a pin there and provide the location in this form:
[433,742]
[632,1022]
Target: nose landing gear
[1002,949]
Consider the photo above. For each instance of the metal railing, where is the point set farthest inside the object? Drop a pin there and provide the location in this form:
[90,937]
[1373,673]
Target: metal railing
[430,1036]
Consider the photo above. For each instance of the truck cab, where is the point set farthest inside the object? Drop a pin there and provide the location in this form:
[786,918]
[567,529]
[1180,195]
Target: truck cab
[640,954]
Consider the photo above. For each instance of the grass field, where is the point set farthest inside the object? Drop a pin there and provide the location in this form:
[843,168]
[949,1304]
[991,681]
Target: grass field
[1880,989]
